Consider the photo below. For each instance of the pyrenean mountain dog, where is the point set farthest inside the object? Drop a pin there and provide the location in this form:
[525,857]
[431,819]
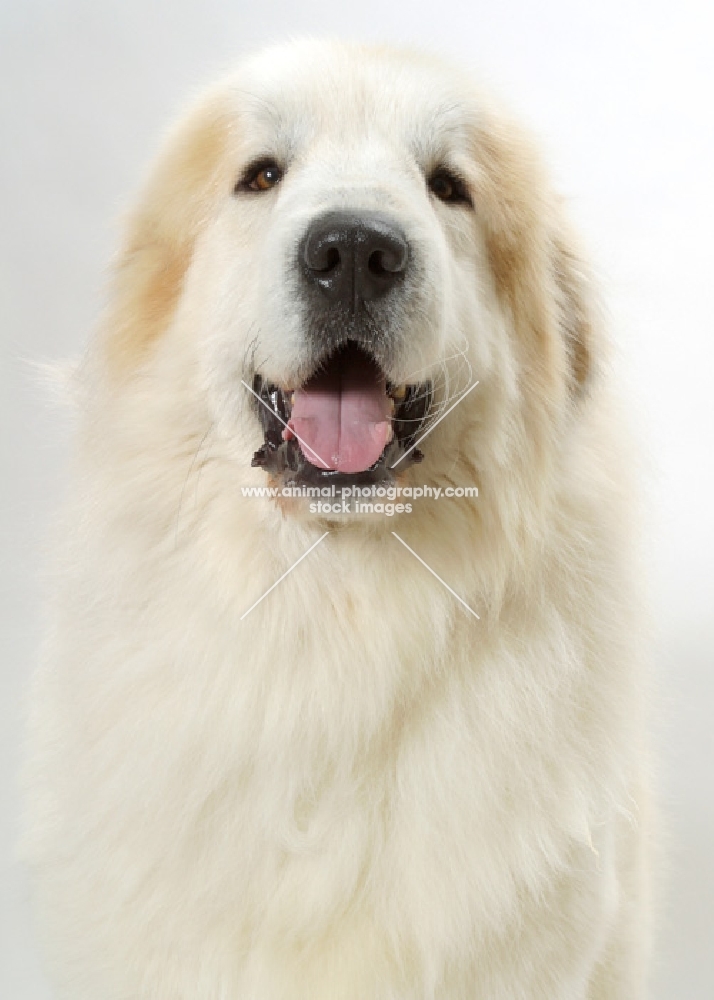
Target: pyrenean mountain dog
[373,736]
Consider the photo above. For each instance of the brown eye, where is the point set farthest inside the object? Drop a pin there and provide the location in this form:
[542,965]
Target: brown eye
[266,178]
[449,188]
[260,176]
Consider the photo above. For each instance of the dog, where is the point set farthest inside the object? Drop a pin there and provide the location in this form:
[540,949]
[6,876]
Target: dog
[342,691]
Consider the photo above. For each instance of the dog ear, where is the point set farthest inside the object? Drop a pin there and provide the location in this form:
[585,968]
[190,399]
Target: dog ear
[538,273]
[576,309]
[160,233]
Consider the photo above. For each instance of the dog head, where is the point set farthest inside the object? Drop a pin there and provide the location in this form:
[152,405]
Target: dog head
[339,242]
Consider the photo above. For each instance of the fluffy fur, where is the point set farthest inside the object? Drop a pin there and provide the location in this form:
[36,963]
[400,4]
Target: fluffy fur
[358,791]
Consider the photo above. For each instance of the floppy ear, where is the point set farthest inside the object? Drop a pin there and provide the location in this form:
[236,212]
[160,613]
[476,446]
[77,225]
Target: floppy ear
[177,199]
[537,272]
[575,309]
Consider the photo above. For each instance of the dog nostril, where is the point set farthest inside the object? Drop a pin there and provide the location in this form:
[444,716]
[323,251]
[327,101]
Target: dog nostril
[322,259]
[387,261]
[332,259]
[376,263]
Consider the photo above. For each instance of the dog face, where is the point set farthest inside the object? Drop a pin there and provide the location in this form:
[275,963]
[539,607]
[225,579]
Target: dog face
[347,243]
[342,240]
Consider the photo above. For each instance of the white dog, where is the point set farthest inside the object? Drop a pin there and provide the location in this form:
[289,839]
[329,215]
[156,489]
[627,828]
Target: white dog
[349,787]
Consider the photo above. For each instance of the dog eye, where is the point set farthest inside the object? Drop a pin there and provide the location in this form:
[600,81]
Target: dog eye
[449,188]
[260,176]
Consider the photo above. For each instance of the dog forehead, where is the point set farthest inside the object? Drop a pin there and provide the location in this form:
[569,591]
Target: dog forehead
[294,95]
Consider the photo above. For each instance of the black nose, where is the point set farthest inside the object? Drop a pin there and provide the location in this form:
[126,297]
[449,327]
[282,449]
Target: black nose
[354,257]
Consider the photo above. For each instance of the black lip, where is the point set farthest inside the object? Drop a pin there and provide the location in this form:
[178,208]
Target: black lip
[284,458]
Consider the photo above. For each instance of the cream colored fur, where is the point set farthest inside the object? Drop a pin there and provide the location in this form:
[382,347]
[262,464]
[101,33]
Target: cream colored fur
[359,792]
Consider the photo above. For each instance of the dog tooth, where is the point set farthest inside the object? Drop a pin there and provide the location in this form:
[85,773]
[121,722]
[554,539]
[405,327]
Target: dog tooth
[399,392]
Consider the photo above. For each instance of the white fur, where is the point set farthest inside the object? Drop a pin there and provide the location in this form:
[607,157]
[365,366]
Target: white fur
[359,791]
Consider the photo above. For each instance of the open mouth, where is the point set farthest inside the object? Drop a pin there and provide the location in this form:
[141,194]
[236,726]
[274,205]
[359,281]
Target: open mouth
[346,425]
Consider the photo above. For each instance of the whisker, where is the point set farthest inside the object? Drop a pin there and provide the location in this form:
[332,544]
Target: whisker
[418,371]
[440,406]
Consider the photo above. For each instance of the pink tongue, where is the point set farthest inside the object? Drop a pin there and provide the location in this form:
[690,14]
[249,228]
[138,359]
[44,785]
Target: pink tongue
[341,417]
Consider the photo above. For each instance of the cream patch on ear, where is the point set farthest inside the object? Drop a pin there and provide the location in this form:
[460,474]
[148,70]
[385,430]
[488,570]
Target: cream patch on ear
[575,310]
[161,233]
[528,262]
[512,200]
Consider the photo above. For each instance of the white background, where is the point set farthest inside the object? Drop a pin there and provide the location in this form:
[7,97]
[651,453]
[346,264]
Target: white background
[621,93]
